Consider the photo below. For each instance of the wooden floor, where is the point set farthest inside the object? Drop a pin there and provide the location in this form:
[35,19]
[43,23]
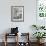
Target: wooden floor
[13,44]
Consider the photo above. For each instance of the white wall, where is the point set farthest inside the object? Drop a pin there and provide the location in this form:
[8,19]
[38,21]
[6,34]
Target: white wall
[29,15]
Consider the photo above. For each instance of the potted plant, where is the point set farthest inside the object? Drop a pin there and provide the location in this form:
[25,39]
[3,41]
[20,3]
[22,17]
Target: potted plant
[39,35]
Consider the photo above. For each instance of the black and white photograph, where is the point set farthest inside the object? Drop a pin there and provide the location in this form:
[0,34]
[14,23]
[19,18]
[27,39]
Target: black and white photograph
[17,13]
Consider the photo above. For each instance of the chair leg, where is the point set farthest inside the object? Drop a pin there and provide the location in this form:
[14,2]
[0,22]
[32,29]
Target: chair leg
[5,43]
[5,40]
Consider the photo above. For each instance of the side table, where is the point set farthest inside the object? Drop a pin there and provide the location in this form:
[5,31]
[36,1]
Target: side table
[8,34]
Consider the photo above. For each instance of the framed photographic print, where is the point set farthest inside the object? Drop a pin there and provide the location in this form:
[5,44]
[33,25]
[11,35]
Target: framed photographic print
[17,13]
[41,12]
[41,8]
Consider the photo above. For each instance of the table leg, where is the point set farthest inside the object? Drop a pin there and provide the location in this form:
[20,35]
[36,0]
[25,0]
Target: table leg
[5,40]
